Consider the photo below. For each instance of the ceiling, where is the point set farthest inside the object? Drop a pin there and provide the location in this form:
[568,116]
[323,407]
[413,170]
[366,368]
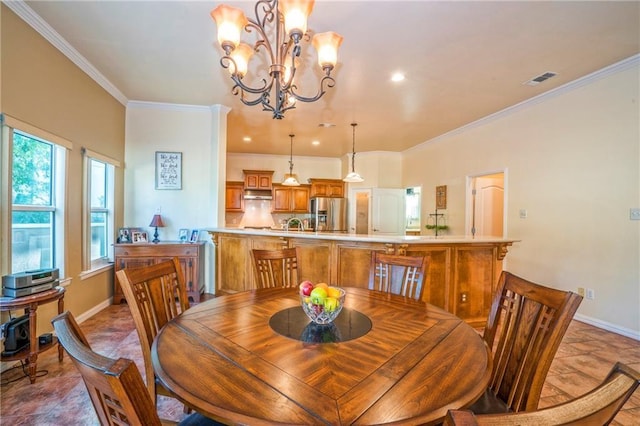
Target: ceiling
[463,61]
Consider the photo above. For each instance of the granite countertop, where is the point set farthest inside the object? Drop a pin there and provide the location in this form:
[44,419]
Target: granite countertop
[347,236]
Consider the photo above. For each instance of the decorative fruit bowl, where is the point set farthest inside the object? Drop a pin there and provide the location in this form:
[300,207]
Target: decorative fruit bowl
[322,303]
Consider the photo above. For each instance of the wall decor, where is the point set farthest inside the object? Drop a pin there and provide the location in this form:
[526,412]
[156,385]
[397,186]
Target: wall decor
[168,170]
[441,197]
[194,236]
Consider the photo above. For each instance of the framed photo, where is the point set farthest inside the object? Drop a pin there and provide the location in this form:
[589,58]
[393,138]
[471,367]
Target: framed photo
[194,236]
[124,235]
[139,237]
[168,170]
[183,235]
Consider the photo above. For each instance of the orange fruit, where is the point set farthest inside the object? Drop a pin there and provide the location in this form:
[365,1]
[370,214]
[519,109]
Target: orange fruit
[333,292]
[321,285]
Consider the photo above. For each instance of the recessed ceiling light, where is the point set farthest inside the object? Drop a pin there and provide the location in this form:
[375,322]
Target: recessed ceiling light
[246,139]
[397,76]
[315,143]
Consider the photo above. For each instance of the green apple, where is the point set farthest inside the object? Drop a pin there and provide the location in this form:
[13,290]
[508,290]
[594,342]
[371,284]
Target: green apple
[331,304]
[318,296]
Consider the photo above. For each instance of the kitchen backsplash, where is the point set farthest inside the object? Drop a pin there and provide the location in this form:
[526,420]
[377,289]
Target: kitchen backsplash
[257,214]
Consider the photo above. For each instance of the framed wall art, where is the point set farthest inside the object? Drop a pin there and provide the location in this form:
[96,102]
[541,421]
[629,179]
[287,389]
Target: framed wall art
[441,197]
[168,170]
[194,236]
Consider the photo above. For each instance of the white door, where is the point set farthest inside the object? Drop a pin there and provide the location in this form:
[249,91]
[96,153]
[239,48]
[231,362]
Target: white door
[359,216]
[387,211]
[487,203]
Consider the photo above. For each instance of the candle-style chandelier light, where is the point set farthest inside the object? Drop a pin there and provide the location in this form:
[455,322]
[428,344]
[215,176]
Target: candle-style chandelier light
[288,22]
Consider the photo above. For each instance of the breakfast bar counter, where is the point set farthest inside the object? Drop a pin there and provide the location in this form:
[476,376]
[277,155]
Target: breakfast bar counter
[461,275]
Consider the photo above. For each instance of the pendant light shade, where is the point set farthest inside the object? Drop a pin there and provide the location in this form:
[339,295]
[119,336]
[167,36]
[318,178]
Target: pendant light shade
[291,179]
[353,177]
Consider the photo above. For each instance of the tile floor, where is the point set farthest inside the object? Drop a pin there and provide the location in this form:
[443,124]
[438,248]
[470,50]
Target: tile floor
[60,398]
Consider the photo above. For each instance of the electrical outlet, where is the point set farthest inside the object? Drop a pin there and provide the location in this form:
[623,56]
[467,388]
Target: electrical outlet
[581,291]
[523,213]
[591,294]
[464,297]
[634,214]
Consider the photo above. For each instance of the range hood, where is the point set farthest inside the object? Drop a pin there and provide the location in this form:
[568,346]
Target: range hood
[257,194]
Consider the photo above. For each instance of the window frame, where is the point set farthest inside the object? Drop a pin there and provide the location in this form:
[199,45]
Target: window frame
[59,175]
[90,265]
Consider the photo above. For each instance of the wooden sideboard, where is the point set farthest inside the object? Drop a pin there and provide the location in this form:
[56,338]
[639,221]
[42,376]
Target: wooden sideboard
[136,255]
[461,275]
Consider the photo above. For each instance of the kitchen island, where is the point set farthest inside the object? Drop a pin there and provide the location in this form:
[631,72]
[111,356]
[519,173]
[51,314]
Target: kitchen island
[461,274]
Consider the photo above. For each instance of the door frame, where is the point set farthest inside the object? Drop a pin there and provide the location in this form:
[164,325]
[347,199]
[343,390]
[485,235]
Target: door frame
[469,199]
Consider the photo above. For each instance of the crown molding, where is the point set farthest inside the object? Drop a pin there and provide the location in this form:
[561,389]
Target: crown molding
[27,14]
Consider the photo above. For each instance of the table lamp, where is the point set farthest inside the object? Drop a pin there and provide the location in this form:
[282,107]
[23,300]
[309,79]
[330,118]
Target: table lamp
[156,222]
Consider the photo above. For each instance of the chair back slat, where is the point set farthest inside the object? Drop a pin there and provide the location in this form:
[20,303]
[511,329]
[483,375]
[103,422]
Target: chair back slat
[115,386]
[276,268]
[155,294]
[525,327]
[597,407]
[403,275]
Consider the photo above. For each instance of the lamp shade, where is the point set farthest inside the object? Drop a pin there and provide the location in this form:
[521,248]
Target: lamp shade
[230,22]
[353,177]
[290,180]
[157,221]
[326,44]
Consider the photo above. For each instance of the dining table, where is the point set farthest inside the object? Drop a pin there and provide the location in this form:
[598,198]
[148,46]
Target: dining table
[255,358]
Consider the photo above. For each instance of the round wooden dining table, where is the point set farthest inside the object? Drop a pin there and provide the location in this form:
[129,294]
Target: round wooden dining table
[252,358]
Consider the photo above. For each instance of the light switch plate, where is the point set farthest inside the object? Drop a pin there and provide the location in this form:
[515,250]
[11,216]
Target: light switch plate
[634,214]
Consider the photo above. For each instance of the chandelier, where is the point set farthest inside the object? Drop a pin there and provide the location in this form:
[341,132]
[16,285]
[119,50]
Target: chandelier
[290,179]
[353,177]
[288,18]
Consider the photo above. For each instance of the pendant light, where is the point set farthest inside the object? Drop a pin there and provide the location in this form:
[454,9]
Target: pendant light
[291,179]
[353,177]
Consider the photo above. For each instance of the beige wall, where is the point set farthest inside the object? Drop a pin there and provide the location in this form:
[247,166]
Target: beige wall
[40,86]
[572,160]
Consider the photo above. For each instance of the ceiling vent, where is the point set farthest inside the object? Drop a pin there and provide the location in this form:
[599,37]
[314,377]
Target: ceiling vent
[539,79]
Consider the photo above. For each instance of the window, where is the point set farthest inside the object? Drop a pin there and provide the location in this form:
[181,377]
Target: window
[37,183]
[98,230]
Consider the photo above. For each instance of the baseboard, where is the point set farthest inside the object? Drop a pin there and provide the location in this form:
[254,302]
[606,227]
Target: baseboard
[623,331]
[91,312]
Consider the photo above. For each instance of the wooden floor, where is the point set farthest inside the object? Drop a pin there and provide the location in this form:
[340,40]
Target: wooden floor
[59,397]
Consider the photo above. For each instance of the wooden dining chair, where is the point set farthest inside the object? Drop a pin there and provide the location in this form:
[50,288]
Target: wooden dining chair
[155,294]
[276,268]
[403,275]
[115,386]
[525,326]
[598,407]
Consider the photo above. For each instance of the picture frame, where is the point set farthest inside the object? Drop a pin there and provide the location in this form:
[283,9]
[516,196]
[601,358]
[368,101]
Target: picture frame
[183,235]
[124,235]
[195,234]
[139,237]
[168,170]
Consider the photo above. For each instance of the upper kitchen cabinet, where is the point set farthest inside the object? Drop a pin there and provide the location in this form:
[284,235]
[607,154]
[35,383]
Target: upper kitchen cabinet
[290,199]
[234,197]
[326,188]
[258,179]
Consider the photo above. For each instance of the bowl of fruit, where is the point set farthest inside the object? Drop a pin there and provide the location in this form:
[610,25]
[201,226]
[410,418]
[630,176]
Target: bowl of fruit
[321,302]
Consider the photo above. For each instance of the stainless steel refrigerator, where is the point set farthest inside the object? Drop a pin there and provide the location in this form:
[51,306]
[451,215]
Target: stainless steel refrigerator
[329,214]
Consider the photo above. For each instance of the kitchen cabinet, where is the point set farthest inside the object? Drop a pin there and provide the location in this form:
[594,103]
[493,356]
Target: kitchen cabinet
[290,199]
[136,255]
[234,197]
[258,179]
[461,275]
[327,188]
